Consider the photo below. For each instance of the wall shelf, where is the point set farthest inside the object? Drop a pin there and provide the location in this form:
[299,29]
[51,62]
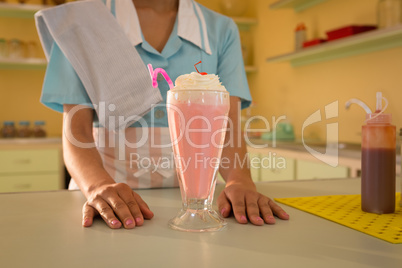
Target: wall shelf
[250,69]
[19,10]
[297,5]
[244,23]
[23,64]
[245,20]
[349,46]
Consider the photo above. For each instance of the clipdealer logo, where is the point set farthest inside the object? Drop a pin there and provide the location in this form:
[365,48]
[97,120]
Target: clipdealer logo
[330,156]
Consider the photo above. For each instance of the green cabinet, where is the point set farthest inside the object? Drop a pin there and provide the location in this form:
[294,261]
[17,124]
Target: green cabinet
[274,164]
[277,168]
[307,170]
[31,165]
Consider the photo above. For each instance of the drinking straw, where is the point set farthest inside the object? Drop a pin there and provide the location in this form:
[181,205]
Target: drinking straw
[154,76]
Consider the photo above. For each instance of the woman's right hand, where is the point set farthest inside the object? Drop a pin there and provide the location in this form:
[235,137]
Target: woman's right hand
[117,204]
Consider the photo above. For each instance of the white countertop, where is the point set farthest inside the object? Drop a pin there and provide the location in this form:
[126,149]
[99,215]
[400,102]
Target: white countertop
[30,143]
[24,141]
[44,230]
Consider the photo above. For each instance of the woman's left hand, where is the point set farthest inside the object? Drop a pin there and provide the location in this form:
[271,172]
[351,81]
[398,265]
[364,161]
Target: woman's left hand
[246,203]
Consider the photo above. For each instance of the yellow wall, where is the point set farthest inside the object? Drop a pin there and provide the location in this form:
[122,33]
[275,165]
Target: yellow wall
[298,92]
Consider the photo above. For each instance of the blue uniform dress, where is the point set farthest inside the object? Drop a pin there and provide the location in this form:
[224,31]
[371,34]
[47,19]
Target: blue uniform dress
[199,34]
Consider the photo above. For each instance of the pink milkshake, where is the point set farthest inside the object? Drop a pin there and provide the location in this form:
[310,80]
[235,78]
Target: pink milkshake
[198,107]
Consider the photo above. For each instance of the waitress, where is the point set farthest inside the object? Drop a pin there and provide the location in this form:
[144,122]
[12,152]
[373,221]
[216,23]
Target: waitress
[173,35]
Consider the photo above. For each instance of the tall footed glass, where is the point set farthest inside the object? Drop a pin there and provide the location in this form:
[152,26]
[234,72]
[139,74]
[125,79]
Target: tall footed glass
[197,125]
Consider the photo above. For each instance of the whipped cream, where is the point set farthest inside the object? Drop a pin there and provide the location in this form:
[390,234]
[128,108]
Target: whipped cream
[197,81]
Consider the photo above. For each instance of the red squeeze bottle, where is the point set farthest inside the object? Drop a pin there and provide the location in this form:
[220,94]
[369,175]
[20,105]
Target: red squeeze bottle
[378,162]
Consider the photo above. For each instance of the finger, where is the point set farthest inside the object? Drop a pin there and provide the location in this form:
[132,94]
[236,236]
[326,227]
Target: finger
[106,213]
[145,211]
[278,211]
[121,209]
[224,205]
[265,210]
[253,210]
[138,208]
[88,214]
[135,217]
[239,208]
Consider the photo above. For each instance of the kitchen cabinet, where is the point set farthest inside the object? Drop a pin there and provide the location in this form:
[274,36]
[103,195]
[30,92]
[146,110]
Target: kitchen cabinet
[255,166]
[29,183]
[31,165]
[277,164]
[297,5]
[287,165]
[272,170]
[307,170]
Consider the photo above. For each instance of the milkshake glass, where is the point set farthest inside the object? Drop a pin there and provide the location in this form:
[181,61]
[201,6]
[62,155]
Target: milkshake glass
[198,108]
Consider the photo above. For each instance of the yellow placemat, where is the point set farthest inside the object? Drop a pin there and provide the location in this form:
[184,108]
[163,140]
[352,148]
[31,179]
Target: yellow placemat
[345,210]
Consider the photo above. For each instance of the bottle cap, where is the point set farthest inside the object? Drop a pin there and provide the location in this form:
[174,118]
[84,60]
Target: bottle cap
[39,123]
[379,117]
[9,123]
[376,118]
[300,27]
[23,123]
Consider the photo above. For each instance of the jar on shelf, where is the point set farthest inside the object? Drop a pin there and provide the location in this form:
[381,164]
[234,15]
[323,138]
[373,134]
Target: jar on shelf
[246,46]
[59,2]
[15,49]
[24,130]
[300,36]
[3,48]
[8,130]
[31,49]
[234,8]
[39,130]
[389,13]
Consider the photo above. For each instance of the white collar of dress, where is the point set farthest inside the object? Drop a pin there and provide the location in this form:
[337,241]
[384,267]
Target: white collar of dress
[191,22]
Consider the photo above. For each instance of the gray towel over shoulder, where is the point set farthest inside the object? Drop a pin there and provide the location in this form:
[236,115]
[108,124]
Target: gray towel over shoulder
[110,68]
